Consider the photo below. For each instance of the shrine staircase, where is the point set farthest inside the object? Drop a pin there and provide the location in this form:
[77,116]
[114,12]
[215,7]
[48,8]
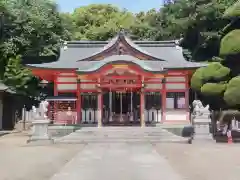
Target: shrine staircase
[120,135]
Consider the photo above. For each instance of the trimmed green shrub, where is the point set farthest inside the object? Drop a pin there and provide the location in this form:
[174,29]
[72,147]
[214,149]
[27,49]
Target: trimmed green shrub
[213,88]
[232,93]
[233,11]
[214,71]
[230,43]
[197,79]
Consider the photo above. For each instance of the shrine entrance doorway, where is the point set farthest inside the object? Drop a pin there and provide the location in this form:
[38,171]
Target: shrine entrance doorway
[121,108]
[122,87]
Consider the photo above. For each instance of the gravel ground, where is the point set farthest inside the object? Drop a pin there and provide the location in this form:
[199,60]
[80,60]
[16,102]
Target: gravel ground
[203,161]
[21,162]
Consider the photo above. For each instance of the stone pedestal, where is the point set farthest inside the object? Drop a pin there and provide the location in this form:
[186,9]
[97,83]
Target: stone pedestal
[40,135]
[201,120]
[201,126]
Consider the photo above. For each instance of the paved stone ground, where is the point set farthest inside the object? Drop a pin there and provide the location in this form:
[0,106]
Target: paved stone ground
[135,161]
[203,160]
[21,162]
[118,161]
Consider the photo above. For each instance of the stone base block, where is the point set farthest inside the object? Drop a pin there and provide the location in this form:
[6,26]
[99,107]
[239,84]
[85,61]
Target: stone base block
[202,120]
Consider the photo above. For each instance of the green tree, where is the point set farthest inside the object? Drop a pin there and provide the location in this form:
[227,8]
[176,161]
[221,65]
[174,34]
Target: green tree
[35,28]
[220,80]
[103,21]
[20,78]
[100,21]
[69,26]
[29,28]
[197,21]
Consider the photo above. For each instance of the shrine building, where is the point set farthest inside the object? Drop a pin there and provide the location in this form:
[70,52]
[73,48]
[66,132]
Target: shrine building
[118,82]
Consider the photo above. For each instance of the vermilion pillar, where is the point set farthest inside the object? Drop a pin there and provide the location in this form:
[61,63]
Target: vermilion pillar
[100,107]
[55,93]
[142,105]
[187,97]
[99,114]
[78,103]
[164,98]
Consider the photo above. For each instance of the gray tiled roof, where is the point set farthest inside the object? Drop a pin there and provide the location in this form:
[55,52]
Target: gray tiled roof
[95,65]
[165,55]
[147,65]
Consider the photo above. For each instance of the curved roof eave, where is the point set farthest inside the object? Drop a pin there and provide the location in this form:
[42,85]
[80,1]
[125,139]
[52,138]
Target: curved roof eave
[193,65]
[93,71]
[40,66]
[108,61]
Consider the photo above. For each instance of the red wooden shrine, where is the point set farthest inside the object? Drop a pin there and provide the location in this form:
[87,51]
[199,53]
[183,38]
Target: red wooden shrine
[120,71]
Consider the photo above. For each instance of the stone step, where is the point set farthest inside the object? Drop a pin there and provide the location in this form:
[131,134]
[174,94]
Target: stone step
[120,134]
[123,137]
[117,138]
[117,130]
[71,141]
[124,128]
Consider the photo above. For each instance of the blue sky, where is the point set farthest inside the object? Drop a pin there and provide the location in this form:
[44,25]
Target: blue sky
[131,5]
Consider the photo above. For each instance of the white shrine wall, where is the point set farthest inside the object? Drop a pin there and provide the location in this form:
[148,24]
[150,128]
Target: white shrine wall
[175,79]
[70,80]
[87,86]
[177,115]
[176,84]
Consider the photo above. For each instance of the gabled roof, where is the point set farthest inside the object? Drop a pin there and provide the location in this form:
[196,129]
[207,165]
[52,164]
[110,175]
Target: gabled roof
[84,50]
[122,38]
[80,55]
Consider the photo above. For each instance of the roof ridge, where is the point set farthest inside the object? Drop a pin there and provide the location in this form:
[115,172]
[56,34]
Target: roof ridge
[106,42]
[86,42]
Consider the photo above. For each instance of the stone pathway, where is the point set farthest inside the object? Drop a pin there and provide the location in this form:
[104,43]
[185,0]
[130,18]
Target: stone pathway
[118,161]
